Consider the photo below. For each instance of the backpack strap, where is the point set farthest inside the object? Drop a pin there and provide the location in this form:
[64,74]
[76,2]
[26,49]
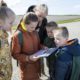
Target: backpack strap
[20,37]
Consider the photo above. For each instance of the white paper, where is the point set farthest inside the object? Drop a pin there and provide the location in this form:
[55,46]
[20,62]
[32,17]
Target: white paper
[44,53]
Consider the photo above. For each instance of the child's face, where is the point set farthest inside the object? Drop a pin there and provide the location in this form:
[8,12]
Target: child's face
[31,27]
[49,31]
[9,23]
[59,39]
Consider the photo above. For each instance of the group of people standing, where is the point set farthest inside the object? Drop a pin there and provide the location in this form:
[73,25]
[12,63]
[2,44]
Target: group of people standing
[34,33]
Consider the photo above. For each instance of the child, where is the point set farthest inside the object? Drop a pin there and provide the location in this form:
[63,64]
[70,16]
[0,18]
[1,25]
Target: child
[29,66]
[49,42]
[68,49]
[7,17]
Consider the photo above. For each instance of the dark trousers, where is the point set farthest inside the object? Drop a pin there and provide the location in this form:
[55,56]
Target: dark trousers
[52,71]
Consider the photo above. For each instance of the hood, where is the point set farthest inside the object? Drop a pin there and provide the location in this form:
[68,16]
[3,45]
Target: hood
[73,47]
[20,28]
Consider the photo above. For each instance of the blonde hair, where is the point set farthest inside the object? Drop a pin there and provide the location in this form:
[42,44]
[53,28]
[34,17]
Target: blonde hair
[63,31]
[42,7]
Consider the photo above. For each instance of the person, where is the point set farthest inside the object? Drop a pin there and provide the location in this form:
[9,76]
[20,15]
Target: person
[49,43]
[41,11]
[67,49]
[29,66]
[7,17]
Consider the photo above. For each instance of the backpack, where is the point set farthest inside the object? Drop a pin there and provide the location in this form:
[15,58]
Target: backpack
[75,68]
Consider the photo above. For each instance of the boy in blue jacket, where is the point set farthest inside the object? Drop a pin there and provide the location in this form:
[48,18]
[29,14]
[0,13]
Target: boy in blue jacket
[67,49]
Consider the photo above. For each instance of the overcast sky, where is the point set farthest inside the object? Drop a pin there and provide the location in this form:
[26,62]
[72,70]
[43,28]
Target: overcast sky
[56,7]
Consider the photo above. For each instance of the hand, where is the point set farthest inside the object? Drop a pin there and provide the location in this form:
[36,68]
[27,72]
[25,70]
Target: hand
[45,47]
[32,58]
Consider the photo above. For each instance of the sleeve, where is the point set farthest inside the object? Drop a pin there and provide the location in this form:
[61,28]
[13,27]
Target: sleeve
[44,46]
[45,42]
[16,50]
[44,22]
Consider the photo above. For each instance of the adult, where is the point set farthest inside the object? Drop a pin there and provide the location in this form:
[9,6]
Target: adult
[7,17]
[41,11]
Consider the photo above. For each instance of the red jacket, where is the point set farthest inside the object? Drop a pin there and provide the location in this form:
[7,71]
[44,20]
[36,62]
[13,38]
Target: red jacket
[29,70]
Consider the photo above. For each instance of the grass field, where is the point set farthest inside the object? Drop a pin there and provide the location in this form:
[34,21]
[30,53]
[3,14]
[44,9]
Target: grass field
[59,22]
[68,21]
[14,27]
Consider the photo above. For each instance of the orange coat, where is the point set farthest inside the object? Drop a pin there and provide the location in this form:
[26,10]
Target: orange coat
[29,70]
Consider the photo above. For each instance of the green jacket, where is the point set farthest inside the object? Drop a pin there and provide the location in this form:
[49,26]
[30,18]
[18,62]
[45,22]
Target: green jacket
[76,68]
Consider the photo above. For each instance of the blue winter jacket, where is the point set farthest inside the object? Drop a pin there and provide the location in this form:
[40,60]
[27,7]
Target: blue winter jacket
[67,52]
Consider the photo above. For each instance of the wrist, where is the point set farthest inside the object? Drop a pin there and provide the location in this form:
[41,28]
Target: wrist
[28,59]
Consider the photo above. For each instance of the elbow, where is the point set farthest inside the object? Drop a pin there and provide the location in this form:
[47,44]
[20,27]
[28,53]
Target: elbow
[14,56]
